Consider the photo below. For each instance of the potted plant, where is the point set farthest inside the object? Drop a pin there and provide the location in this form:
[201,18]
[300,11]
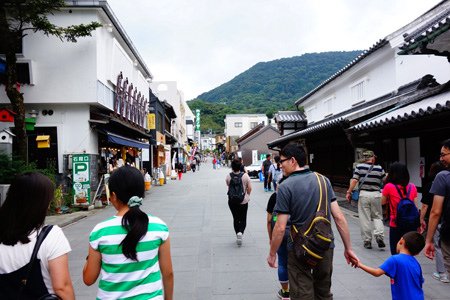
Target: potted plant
[58,199]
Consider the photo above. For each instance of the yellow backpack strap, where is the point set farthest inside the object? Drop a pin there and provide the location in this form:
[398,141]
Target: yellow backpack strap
[323,193]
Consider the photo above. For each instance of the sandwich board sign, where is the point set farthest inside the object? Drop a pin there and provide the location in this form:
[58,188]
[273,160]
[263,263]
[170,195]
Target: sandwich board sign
[81,179]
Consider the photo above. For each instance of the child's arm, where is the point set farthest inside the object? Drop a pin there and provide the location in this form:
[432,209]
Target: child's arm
[375,272]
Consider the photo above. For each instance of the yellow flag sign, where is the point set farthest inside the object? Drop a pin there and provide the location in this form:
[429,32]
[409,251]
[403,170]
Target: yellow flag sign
[151,123]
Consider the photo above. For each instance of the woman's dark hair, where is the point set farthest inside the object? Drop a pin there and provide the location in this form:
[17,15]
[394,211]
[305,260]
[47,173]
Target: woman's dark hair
[446,144]
[25,207]
[398,174]
[277,161]
[295,151]
[127,182]
[236,165]
[435,168]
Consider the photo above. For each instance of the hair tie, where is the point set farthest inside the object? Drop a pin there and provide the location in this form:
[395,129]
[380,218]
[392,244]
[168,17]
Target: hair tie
[135,201]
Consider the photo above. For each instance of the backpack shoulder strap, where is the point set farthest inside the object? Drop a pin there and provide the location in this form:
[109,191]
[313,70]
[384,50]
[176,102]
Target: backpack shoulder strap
[41,237]
[400,192]
[323,193]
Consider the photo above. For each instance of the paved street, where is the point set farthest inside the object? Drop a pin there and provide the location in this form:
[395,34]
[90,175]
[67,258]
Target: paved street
[207,262]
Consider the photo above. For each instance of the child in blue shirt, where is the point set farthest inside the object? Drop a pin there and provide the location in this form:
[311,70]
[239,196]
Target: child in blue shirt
[403,268]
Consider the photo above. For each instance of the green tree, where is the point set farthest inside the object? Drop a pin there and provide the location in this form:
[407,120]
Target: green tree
[17,19]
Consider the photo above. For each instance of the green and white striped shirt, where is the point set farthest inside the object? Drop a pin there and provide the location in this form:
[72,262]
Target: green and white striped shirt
[123,278]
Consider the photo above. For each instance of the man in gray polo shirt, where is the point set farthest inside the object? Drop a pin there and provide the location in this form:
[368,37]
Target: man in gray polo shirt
[298,197]
[369,204]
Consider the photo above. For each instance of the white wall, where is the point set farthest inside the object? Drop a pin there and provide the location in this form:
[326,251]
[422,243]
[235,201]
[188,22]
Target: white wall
[246,120]
[412,67]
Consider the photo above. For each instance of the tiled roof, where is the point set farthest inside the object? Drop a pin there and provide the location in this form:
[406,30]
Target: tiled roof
[427,32]
[360,57]
[427,106]
[290,116]
[250,132]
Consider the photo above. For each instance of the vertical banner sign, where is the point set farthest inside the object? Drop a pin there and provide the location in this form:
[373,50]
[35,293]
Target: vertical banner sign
[151,124]
[81,179]
[197,120]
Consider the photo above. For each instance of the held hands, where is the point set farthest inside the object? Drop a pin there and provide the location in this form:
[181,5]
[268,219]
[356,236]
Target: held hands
[351,258]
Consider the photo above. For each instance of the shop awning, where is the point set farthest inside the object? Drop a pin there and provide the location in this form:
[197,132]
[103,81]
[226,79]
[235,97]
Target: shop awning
[121,140]
[427,106]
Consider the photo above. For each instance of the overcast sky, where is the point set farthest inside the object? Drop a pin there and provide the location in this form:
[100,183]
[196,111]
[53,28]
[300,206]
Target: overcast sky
[202,44]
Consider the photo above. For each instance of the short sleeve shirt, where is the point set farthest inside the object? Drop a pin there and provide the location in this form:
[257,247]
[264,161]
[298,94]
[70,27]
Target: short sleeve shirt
[246,182]
[15,257]
[298,195]
[391,193]
[406,277]
[122,277]
[373,180]
[441,187]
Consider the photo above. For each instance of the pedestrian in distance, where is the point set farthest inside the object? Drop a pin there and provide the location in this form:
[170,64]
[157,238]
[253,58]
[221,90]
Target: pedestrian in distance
[275,172]
[427,204]
[441,209]
[403,268]
[298,198]
[22,219]
[397,188]
[368,179]
[193,165]
[282,251]
[239,190]
[179,169]
[131,250]
[265,170]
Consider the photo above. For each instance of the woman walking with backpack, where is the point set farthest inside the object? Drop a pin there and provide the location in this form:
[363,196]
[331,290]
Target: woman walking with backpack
[238,198]
[131,250]
[397,188]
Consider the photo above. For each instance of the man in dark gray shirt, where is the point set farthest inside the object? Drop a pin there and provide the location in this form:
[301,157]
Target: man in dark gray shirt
[440,211]
[298,197]
[369,204]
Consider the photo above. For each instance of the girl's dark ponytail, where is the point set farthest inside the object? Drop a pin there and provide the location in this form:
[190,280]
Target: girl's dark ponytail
[128,185]
[136,223]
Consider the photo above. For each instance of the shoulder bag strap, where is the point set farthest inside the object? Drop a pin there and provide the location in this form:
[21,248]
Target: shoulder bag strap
[40,238]
[364,178]
[323,194]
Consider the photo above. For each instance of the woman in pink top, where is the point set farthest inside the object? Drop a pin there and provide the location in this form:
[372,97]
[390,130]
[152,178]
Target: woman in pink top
[398,176]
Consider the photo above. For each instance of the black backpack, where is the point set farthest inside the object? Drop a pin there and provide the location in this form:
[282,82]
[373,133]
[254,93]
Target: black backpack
[408,217]
[236,191]
[315,236]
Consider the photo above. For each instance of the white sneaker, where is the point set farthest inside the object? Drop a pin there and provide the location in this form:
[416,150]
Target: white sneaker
[239,238]
[442,277]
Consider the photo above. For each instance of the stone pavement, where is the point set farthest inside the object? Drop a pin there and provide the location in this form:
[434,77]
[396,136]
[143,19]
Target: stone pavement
[207,262]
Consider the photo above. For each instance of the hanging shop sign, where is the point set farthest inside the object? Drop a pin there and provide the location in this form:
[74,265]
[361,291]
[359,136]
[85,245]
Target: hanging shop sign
[129,103]
[81,179]
[151,121]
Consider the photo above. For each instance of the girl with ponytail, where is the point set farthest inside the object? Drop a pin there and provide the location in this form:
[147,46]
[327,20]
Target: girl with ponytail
[131,249]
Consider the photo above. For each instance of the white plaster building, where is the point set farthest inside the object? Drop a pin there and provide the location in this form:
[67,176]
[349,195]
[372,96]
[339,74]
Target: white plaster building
[346,113]
[237,125]
[73,88]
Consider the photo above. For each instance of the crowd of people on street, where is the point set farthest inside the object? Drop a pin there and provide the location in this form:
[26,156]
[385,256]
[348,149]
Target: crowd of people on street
[130,252]
[303,241]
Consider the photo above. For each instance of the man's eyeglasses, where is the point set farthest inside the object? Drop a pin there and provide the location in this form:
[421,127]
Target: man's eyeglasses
[283,160]
[444,154]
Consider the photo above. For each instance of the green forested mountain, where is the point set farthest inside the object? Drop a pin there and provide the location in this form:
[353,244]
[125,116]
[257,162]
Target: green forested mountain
[268,87]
